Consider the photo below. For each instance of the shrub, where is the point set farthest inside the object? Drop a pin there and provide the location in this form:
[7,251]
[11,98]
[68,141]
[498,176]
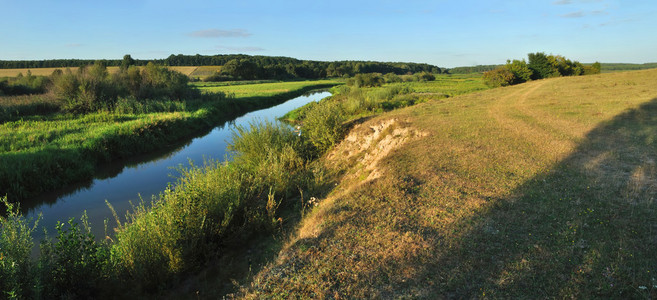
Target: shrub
[501,76]
[92,88]
[17,275]
[23,85]
[425,76]
[75,266]
[520,70]
[323,125]
[366,80]
[391,78]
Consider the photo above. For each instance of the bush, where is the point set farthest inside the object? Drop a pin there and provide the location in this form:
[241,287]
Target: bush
[366,80]
[425,76]
[17,272]
[520,70]
[92,88]
[498,77]
[75,266]
[24,85]
[323,125]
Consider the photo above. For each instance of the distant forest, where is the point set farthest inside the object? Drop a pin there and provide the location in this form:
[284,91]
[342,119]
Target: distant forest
[248,67]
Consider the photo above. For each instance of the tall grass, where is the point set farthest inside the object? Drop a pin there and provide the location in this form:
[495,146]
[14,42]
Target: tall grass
[211,206]
[17,270]
[13,108]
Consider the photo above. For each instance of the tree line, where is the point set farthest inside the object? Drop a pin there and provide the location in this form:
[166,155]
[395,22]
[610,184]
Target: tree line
[240,66]
[538,66]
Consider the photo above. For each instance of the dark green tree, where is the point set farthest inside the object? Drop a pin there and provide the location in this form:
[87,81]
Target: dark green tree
[127,62]
[540,66]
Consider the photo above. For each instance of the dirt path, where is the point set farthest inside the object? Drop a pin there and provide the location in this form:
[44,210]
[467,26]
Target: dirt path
[520,119]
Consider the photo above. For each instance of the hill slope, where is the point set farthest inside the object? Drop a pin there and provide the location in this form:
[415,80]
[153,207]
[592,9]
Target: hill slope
[545,189]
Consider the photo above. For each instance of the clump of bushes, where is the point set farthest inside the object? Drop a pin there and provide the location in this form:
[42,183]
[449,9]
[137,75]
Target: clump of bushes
[376,79]
[539,66]
[23,85]
[92,88]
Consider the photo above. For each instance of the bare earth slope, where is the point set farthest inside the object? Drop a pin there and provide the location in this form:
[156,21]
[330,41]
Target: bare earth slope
[545,189]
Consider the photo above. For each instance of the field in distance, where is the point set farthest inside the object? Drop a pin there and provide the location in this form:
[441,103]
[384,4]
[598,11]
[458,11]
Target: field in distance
[201,72]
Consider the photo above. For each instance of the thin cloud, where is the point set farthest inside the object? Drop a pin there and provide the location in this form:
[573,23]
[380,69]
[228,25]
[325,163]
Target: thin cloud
[618,21]
[577,14]
[219,33]
[600,12]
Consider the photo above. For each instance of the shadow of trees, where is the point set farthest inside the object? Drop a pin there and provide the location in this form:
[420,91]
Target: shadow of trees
[587,228]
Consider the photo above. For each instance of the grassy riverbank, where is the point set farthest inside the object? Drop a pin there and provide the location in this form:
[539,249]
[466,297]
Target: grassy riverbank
[40,152]
[210,210]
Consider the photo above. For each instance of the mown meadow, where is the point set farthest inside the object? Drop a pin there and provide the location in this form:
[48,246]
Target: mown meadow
[210,209]
[540,190]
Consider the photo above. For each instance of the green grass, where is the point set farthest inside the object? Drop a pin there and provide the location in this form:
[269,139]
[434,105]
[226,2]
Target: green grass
[41,152]
[451,85]
[362,102]
[541,190]
[260,89]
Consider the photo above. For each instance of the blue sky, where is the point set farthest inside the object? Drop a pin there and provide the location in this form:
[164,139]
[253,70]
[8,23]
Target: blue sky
[443,33]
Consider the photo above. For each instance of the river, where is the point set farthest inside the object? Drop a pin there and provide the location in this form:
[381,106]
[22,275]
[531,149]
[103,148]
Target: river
[123,182]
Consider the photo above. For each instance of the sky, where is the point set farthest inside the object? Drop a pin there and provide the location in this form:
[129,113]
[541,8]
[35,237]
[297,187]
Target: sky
[441,33]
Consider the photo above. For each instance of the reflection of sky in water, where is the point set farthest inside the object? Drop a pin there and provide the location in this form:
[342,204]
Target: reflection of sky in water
[143,178]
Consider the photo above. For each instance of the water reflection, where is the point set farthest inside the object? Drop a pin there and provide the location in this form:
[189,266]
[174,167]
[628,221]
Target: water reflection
[125,181]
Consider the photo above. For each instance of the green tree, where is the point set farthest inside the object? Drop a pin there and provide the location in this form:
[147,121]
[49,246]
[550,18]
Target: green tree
[592,69]
[127,62]
[521,72]
[541,66]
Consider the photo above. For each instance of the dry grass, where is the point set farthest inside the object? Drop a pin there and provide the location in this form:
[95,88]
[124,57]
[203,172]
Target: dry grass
[47,71]
[203,71]
[541,190]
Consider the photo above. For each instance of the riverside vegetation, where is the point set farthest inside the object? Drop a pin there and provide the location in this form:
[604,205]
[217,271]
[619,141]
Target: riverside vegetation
[91,116]
[208,209]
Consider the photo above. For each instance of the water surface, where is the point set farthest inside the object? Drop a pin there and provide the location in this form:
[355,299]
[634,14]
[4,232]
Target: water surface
[123,182]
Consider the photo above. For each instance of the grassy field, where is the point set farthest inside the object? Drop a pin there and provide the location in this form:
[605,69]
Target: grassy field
[259,89]
[189,71]
[541,190]
[450,85]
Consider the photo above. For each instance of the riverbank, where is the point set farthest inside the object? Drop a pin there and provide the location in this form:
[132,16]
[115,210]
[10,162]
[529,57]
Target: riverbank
[216,205]
[41,153]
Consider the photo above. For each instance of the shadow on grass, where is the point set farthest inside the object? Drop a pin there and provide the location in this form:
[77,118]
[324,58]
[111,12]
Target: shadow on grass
[586,228]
